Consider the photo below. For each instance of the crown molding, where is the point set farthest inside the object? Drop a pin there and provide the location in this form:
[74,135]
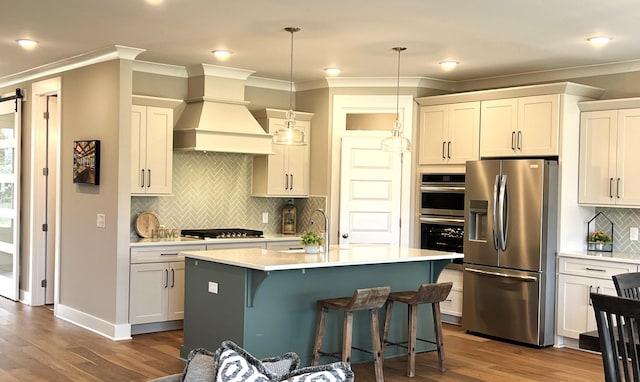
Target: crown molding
[268,83]
[85,59]
[162,69]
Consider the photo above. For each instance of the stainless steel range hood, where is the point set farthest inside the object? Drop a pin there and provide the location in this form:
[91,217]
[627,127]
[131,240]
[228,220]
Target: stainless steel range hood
[216,117]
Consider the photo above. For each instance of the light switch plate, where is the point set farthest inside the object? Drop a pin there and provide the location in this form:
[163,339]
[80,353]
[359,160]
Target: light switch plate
[265,217]
[213,287]
[633,233]
[100,220]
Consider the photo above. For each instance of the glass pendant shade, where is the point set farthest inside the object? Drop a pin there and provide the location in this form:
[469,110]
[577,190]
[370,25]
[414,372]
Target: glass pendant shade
[289,134]
[397,142]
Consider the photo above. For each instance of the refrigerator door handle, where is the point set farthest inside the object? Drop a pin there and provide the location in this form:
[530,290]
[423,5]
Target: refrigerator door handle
[505,275]
[496,186]
[503,209]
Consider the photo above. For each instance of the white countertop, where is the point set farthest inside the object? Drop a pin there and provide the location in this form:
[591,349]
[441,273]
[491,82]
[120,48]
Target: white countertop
[604,256]
[339,255]
[141,242]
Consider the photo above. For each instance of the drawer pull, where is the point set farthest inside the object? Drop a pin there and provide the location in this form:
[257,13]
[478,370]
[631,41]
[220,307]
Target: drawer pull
[595,269]
[169,254]
[448,300]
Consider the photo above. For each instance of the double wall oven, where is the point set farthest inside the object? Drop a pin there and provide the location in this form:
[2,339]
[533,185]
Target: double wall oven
[442,212]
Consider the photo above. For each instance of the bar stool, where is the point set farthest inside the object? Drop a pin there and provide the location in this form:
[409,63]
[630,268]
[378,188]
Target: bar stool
[370,299]
[427,293]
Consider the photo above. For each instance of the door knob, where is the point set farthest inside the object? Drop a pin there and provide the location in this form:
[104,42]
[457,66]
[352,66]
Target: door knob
[345,235]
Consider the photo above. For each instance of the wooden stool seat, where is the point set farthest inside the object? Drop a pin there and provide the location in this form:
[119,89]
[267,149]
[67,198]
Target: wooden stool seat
[426,294]
[370,299]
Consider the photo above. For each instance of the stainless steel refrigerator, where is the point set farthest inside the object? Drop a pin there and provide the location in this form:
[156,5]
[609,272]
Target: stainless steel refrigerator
[509,249]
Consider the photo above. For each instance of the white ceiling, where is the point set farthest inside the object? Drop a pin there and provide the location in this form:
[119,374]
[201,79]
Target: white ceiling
[488,38]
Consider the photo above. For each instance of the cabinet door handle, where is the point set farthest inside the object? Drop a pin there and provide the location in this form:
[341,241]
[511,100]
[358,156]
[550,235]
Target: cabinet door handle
[148,177]
[589,296]
[598,290]
[291,181]
[444,143]
[166,278]
[618,188]
[142,178]
[286,181]
[513,140]
[173,278]
[449,150]
[610,187]
[520,140]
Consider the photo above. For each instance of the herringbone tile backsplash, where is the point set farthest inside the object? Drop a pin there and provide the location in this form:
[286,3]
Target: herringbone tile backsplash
[213,190]
[623,219]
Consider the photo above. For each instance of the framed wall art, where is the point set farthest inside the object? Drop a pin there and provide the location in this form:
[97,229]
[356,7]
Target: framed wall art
[86,162]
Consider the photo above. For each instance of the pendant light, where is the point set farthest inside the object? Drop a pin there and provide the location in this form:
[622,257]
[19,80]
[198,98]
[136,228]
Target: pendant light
[397,141]
[289,134]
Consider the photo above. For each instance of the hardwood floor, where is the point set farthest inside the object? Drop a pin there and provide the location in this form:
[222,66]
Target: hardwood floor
[35,346]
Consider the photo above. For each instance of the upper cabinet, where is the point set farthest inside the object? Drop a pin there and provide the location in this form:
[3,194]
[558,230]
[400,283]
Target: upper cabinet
[449,134]
[151,150]
[609,155]
[286,172]
[524,126]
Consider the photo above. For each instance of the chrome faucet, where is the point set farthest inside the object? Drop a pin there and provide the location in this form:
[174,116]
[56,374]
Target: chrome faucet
[326,227]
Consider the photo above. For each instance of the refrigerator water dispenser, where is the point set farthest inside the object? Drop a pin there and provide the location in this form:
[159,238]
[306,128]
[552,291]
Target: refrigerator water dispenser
[478,220]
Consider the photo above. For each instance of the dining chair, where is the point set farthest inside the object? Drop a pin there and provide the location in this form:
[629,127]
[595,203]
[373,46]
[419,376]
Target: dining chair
[618,321]
[627,284]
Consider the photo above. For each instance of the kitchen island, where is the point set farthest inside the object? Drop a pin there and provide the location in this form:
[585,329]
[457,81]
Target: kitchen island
[265,300]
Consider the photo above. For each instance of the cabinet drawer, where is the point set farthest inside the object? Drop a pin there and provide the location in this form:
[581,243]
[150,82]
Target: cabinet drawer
[452,305]
[594,268]
[162,253]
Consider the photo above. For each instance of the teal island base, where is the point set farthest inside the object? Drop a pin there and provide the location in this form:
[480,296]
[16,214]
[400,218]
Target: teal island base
[273,312]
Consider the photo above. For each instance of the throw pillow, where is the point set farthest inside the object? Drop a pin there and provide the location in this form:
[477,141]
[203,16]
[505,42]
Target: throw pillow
[333,372]
[234,364]
[199,366]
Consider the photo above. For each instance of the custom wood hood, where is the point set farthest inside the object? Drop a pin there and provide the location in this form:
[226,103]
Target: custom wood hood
[216,117]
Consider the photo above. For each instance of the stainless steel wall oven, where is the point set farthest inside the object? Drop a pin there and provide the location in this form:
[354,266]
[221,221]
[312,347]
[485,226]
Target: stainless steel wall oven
[442,212]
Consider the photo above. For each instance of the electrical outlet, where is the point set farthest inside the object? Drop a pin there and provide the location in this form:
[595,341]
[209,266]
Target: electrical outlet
[100,220]
[213,287]
[265,217]
[633,233]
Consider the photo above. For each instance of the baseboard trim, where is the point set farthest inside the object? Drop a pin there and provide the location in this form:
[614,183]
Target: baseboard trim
[94,324]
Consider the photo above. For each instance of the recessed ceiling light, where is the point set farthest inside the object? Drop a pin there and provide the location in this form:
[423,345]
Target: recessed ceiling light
[154,2]
[27,43]
[221,54]
[332,71]
[448,65]
[599,40]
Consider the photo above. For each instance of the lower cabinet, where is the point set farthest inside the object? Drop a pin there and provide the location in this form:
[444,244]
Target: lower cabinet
[577,279]
[156,283]
[451,307]
[157,292]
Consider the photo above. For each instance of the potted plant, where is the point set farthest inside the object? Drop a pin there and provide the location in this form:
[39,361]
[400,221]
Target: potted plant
[599,238]
[312,242]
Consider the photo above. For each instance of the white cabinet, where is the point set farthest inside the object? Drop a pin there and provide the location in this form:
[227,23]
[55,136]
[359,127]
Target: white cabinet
[452,305]
[609,157]
[577,279]
[151,150]
[449,134]
[286,172]
[524,126]
[156,284]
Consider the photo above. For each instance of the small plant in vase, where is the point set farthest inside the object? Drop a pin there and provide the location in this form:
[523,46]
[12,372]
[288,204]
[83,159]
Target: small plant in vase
[312,242]
[599,239]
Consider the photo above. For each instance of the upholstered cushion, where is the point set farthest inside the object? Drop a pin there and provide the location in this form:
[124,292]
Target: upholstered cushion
[199,367]
[333,372]
[234,364]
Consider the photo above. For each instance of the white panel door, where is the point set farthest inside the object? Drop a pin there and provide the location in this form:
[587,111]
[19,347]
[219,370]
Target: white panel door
[597,157]
[10,113]
[628,158]
[369,193]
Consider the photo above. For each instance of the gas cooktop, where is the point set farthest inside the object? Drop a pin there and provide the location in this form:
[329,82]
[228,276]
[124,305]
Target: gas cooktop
[222,233]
